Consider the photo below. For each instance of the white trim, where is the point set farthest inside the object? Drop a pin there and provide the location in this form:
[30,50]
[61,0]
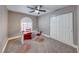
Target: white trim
[8,41]
[46,35]
[5,46]
[14,37]
[75,46]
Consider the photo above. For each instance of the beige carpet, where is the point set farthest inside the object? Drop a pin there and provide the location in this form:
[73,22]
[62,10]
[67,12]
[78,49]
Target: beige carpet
[47,46]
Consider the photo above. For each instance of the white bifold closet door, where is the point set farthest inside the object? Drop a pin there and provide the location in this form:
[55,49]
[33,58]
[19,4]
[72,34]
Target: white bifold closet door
[61,28]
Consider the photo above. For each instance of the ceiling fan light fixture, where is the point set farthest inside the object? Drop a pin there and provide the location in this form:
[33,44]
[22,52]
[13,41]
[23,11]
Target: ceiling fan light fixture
[36,11]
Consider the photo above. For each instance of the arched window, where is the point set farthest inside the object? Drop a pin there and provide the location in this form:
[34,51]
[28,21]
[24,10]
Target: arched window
[26,24]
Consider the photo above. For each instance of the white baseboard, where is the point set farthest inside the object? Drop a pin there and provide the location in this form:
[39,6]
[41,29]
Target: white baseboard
[46,35]
[14,37]
[7,42]
[75,46]
[4,46]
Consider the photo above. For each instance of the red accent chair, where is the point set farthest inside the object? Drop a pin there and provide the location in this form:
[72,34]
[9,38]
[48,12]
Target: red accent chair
[28,36]
[39,33]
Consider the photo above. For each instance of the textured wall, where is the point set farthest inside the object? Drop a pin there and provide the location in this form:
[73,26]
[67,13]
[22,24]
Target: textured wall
[15,20]
[3,26]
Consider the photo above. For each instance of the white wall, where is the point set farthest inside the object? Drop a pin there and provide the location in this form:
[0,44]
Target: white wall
[3,26]
[44,24]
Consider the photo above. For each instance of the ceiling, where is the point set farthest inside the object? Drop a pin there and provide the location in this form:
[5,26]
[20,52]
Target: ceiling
[25,10]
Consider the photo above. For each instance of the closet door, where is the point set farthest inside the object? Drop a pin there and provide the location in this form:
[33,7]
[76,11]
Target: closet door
[61,28]
[53,27]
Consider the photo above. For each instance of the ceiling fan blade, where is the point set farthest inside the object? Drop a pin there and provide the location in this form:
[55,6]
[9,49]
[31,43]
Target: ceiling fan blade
[32,11]
[40,6]
[30,7]
[42,10]
[36,7]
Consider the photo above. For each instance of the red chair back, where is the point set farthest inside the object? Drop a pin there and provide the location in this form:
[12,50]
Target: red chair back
[28,36]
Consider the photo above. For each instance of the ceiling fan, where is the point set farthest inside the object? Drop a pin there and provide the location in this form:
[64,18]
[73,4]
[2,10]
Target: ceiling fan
[37,9]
